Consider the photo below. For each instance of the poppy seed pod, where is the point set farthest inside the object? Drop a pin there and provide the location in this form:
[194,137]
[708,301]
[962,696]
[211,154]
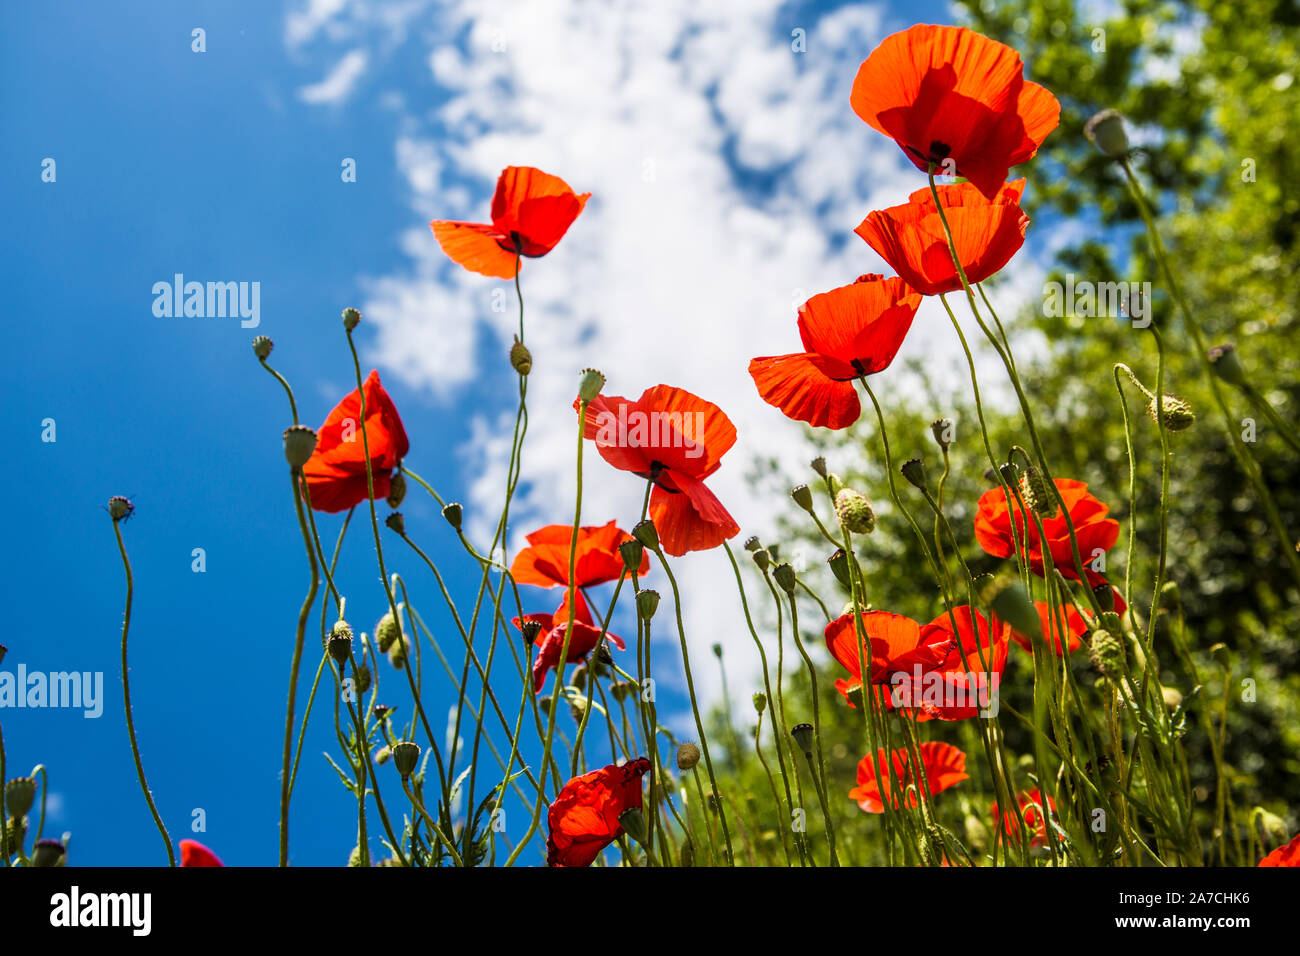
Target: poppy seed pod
[1221,656]
[760,702]
[1105,595]
[802,497]
[49,853]
[1227,364]
[530,630]
[942,429]
[839,562]
[633,823]
[752,543]
[396,522]
[20,794]
[786,579]
[632,552]
[717,651]
[1176,413]
[1036,494]
[1105,130]
[688,755]
[914,471]
[382,711]
[590,382]
[763,559]
[262,347]
[645,532]
[351,319]
[406,754]
[340,643]
[819,465]
[855,512]
[396,490]
[521,360]
[119,507]
[803,737]
[387,631]
[1107,653]
[299,443]
[774,551]
[454,514]
[647,602]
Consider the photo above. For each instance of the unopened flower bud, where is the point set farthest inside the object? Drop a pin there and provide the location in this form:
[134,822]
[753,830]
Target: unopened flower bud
[119,507]
[717,650]
[633,552]
[1176,413]
[299,443]
[819,465]
[590,382]
[688,755]
[364,678]
[398,653]
[1106,131]
[802,497]
[1107,653]
[1221,656]
[1274,827]
[49,853]
[855,512]
[1033,488]
[521,360]
[647,602]
[406,754]
[396,490]
[387,631]
[803,737]
[396,522]
[786,579]
[262,346]
[1227,364]
[1172,696]
[914,472]
[20,794]
[351,319]
[383,755]
[836,483]
[760,702]
[633,823]
[644,531]
[942,429]
[454,514]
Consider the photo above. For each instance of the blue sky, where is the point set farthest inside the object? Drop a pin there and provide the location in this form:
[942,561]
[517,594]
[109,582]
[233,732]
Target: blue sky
[225,166]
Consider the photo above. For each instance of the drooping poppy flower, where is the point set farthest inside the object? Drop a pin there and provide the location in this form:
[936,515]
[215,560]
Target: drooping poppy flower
[944,764]
[895,644]
[1031,812]
[584,817]
[545,562]
[550,640]
[848,332]
[194,853]
[966,684]
[336,473]
[676,440]
[1288,855]
[986,232]
[531,211]
[949,94]
[1095,532]
[1067,639]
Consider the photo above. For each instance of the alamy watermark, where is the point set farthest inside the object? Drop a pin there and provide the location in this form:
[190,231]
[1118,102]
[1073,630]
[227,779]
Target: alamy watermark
[1087,300]
[208,300]
[73,689]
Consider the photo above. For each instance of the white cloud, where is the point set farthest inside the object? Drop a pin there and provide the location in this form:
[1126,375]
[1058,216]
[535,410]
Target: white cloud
[338,83]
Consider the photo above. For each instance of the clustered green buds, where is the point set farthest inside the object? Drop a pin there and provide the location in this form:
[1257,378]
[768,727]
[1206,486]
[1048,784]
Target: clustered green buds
[688,755]
[854,511]
[299,443]
[1107,653]
[1176,413]
[521,360]
[1106,131]
[262,347]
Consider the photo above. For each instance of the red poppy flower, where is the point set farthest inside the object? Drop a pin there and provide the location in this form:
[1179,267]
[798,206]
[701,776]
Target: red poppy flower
[947,93]
[584,817]
[967,681]
[897,645]
[850,331]
[336,473]
[550,640]
[1095,532]
[545,562]
[531,211]
[1288,855]
[676,440]
[1076,625]
[1031,811]
[944,764]
[986,232]
[194,853]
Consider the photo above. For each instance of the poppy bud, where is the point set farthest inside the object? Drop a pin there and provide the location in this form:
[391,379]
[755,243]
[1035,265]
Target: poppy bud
[752,543]
[819,465]
[1177,413]
[387,631]
[836,483]
[383,755]
[396,490]
[521,360]
[941,428]
[717,651]
[49,853]
[1173,697]
[396,522]
[786,579]
[299,443]
[406,754]
[1105,595]
[647,602]
[363,677]
[1227,364]
[351,319]
[1107,653]
[530,630]
[621,689]
[577,707]
[632,552]
[1274,827]
[855,512]
[579,677]
[589,384]
[119,507]
[803,737]
[1034,490]
[1106,131]
[544,705]
[839,562]
[398,653]
[262,347]
[802,497]
[20,794]
[914,472]
[354,858]
[760,702]
[453,513]
[340,643]
[1220,654]
[763,559]
[688,755]
[644,531]
[633,823]
[1011,604]
[687,856]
